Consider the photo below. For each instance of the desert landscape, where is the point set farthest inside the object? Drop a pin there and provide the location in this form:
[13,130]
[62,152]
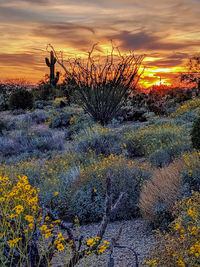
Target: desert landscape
[99,133]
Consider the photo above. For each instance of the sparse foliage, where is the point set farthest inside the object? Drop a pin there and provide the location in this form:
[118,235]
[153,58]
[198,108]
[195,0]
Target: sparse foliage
[193,71]
[102,86]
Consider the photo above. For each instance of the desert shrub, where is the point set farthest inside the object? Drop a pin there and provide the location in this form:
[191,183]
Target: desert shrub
[188,106]
[100,140]
[21,99]
[79,122]
[27,235]
[60,119]
[178,121]
[47,140]
[44,91]
[38,116]
[19,208]
[88,192]
[159,121]
[189,116]
[20,141]
[5,91]
[159,194]
[2,126]
[160,158]
[191,176]
[60,102]
[3,100]
[71,119]
[102,88]
[180,247]
[41,104]
[25,121]
[195,134]
[53,174]
[17,112]
[172,138]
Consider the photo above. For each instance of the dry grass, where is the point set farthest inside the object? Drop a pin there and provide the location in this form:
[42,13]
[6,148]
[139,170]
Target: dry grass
[165,186]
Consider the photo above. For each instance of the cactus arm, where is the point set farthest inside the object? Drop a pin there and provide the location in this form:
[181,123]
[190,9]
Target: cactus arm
[47,62]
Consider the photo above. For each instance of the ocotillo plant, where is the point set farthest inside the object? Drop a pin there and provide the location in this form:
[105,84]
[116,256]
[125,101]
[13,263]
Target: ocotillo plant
[51,64]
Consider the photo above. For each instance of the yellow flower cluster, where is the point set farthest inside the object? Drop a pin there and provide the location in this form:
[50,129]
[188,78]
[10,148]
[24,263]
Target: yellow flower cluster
[149,139]
[59,243]
[188,106]
[19,202]
[152,263]
[13,242]
[57,100]
[93,241]
[103,165]
[73,119]
[182,246]
[192,161]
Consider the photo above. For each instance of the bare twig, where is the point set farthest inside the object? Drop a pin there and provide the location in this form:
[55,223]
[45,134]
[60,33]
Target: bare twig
[106,219]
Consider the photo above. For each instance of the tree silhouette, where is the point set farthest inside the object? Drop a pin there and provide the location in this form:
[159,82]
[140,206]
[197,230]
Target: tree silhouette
[193,71]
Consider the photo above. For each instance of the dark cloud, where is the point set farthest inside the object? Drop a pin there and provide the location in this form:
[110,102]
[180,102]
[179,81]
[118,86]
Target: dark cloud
[15,14]
[64,27]
[148,41]
[68,33]
[19,59]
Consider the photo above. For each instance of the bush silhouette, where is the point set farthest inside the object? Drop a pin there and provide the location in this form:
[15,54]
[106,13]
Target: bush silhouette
[196,134]
[102,87]
[21,99]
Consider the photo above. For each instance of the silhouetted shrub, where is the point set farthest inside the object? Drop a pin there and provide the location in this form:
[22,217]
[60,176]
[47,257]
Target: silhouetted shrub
[102,88]
[2,126]
[196,134]
[21,99]
[44,91]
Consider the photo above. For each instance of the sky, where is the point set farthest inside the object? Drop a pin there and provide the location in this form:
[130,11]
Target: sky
[166,31]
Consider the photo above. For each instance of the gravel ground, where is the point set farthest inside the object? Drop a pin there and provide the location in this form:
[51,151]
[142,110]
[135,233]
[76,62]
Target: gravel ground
[135,234]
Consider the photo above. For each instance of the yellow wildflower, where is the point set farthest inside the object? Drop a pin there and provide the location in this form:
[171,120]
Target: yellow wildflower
[177,226]
[31,225]
[43,227]
[60,247]
[102,248]
[91,242]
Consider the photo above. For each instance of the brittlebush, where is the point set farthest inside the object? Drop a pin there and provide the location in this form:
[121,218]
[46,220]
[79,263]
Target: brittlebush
[20,216]
[181,246]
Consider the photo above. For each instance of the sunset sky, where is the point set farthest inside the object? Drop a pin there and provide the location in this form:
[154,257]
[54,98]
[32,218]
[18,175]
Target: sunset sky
[167,31]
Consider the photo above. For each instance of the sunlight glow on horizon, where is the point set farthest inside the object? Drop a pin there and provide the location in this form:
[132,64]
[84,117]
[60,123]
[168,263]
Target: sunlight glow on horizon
[144,27]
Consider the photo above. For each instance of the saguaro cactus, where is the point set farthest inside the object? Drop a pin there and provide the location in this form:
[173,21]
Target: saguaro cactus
[51,64]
